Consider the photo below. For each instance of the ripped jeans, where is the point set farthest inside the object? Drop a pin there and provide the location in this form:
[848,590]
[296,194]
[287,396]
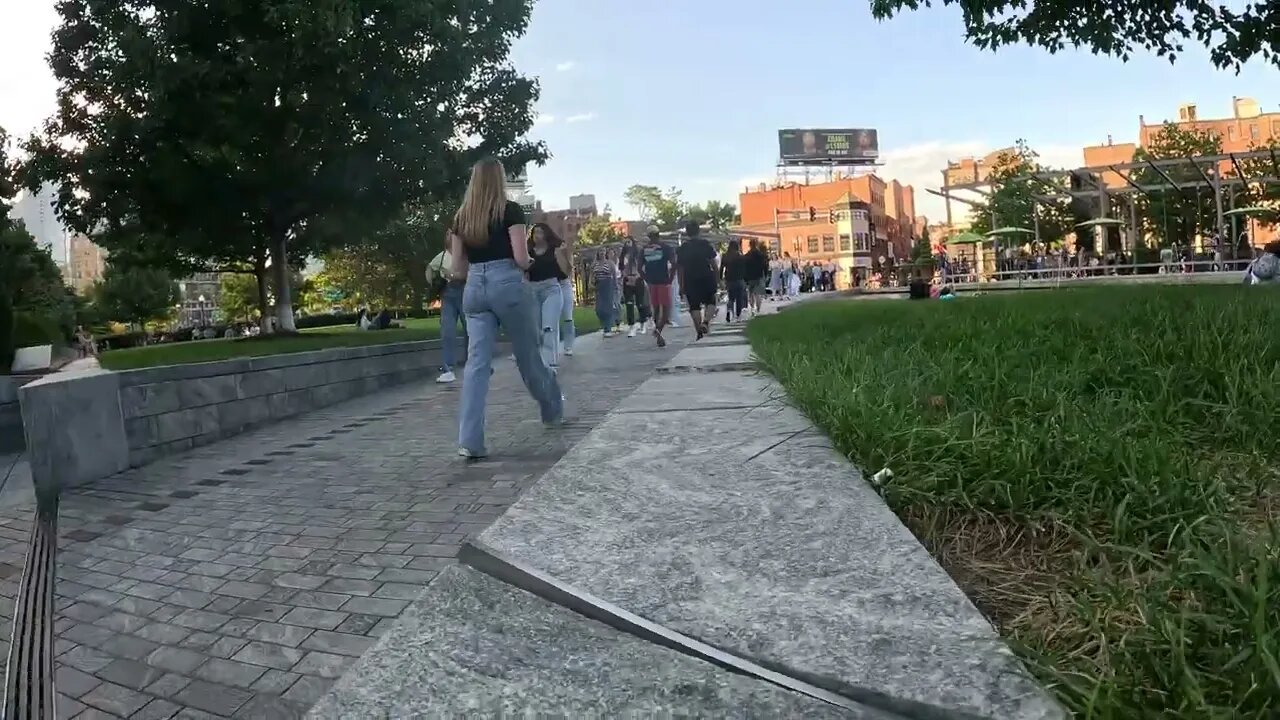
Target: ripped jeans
[549,300]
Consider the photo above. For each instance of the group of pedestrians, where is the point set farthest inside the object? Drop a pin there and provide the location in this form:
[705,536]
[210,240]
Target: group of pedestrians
[499,273]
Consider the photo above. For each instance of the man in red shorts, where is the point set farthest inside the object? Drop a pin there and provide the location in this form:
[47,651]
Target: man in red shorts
[659,265]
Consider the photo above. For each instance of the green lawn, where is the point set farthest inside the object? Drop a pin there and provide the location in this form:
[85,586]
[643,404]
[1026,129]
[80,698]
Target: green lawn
[309,339]
[1092,466]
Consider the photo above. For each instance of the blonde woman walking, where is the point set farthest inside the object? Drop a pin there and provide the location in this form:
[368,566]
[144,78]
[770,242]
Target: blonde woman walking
[491,250]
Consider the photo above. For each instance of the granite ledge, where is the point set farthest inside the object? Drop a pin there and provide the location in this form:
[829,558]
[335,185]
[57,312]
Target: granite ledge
[472,646]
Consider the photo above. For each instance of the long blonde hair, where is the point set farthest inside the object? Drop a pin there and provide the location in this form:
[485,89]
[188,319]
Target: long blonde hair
[484,203]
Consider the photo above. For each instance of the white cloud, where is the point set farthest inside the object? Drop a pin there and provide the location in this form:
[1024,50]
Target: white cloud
[544,119]
[921,166]
[581,117]
[566,66]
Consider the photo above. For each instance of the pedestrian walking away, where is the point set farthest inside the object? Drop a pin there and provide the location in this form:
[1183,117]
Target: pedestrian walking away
[733,272]
[490,249]
[696,260]
[548,265]
[568,294]
[756,272]
[659,268]
[449,288]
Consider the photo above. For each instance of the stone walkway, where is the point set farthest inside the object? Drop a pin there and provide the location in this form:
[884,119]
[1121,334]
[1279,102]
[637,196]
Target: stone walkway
[241,579]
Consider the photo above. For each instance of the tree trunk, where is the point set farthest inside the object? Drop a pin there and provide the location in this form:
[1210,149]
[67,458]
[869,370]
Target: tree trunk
[417,285]
[280,266]
[264,304]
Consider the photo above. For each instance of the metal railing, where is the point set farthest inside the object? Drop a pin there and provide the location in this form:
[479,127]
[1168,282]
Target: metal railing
[1175,272]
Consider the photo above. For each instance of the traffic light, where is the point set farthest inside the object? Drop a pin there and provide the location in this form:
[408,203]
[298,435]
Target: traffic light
[813,214]
[831,216]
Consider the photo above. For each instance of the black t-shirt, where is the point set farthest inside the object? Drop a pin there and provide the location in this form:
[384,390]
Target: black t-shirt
[733,267]
[757,265]
[544,266]
[697,259]
[657,263]
[499,245]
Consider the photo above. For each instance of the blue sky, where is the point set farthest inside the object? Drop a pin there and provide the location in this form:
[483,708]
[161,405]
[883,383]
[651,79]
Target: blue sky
[691,93]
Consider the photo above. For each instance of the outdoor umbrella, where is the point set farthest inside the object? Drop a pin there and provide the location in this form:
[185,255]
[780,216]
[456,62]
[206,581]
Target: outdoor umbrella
[965,238]
[1253,210]
[1010,231]
[1100,222]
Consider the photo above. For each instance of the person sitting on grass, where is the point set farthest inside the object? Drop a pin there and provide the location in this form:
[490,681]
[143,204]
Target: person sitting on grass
[1265,269]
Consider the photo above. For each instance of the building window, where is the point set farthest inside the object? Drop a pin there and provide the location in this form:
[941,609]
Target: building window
[1253,131]
[1231,132]
[828,243]
[861,242]
[846,243]
[1275,128]
[812,244]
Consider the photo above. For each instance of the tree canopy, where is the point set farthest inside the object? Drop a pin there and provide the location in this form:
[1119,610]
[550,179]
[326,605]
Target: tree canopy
[1174,216]
[664,209]
[598,230]
[715,214]
[1232,33]
[30,281]
[135,295]
[1012,202]
[213,133]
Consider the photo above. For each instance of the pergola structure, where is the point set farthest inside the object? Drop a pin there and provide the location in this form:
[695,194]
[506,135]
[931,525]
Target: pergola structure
[1208,169]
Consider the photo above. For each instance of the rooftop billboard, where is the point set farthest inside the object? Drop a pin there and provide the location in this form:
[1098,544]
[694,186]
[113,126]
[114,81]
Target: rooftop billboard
[848,146]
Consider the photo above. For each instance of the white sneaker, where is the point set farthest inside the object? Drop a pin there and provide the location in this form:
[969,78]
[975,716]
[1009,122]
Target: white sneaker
[446,377]
[568,352]
[632,332]
[673,323]
[463,452]
[608,333]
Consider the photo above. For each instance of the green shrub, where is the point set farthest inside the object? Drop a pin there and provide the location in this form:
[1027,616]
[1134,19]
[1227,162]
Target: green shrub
[325,320]
[30,329]
[6,334]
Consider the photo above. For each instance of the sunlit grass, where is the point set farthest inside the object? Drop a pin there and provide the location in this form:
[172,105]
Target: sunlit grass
[1094,466]
[310,339]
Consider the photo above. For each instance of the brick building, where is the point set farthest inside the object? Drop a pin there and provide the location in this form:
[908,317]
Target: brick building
[86,262]
[1247,128]
[809,211]
[565,223]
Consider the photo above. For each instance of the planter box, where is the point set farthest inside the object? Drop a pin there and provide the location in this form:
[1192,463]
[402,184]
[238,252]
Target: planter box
[82,426]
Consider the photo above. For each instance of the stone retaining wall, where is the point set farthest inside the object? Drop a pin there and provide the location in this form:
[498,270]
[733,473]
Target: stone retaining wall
[84,426]
[11,439]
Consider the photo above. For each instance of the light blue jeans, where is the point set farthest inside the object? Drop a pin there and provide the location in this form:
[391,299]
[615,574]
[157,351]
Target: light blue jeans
[497,295]
[450,314]
[607,303]
[568,332]
[547,295]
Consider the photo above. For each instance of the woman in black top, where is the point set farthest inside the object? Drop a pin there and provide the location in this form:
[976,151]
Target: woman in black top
[545,273]
[491,251]
[634,293]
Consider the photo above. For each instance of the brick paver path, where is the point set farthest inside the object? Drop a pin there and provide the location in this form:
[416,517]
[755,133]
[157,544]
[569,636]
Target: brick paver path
[241,579]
